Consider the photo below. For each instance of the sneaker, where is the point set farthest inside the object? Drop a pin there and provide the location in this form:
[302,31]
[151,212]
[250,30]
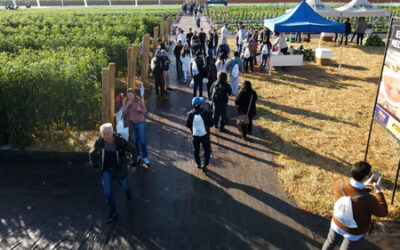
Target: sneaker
[146,161]
[111,217]
[222,130]
[199,166]
[205,169]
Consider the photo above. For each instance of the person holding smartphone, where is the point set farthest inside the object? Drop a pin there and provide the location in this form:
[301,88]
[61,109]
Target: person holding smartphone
[134,112]
[363,206]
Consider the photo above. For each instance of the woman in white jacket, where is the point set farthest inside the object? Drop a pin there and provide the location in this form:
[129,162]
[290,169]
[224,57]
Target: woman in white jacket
[185,59]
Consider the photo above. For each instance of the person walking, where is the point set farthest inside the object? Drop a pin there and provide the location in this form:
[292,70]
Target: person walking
[202,38]
[198,19]
[157,68]
[361,28]
[223,49]
[166,62]
[199,121]
[224,32]
[185,59]
[265,54]
[134,112]
[347,31]
[195,43]
[247,54]
[109,156]
[246,105]
[182,37]
[211,74]
[220,92]
[189,38]
[234,67]
[350,228]
[177,53]
[221,64]
[197,71]
[241,37]
[212,43]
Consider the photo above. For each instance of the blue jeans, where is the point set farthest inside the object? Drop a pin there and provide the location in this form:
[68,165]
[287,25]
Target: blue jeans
[240,46]
[210,53]
[139,135]
[214,51]
[264,59]
[107,177]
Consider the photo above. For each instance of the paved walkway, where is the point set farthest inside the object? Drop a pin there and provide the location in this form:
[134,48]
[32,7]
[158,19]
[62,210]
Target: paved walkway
[56,202]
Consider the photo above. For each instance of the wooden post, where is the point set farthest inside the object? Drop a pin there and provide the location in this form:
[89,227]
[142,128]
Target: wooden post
[145,57]
[166,33]
[129,54]
[105,78]
[112,72]
[133,66]
[156,36]
[162,29]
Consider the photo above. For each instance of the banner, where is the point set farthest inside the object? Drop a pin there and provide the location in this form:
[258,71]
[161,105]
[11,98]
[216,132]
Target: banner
[387,110]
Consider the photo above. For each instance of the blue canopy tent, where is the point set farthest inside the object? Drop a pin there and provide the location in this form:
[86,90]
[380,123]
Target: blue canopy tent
[303,18]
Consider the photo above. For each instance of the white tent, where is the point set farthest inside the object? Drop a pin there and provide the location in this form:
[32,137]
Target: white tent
[358,8]
[322,9]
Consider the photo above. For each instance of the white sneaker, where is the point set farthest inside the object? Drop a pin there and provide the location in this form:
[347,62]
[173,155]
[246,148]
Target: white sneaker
[146,161]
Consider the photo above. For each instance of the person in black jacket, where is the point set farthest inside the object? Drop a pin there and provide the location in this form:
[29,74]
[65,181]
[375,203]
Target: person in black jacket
[189,38]
[177,52]
[158,73]
[347,31]
[199,75]
[211,74]
[243,104]
[195,43]
[202,38]
[199,121]
[220,92]
[109,154]
[212,43]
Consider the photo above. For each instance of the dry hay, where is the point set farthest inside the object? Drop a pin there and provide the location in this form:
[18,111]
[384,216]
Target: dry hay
[317,122]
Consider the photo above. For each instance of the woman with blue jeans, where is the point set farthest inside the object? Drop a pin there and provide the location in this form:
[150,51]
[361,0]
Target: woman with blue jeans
[134,112]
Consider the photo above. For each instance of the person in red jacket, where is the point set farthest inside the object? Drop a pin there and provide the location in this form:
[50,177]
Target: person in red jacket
[363,204]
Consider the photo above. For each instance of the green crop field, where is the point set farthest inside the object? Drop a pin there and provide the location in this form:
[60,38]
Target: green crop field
[50,64]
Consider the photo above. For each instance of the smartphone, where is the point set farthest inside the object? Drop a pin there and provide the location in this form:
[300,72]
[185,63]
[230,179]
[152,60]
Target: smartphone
[377,175]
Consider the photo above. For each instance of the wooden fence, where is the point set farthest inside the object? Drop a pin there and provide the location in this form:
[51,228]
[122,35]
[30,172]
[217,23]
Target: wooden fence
[147,48]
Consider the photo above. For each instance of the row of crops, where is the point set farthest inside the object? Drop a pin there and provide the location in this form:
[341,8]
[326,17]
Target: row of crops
[255,15]
[50,64]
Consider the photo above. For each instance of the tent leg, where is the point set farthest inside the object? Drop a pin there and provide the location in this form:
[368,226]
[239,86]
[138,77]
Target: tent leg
[340,60]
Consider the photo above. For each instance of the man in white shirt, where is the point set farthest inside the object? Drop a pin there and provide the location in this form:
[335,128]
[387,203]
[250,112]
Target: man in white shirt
[182,37]
[224,32]
[280,43]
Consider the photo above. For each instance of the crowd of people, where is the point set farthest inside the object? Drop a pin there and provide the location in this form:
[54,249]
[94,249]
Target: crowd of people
[205,59]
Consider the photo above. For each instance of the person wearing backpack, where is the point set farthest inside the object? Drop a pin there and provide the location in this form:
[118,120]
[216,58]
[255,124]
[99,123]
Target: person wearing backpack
[265,53]
[220,92]
[195,43]
[234,67]
[197,71]
[199,121]
[110,155]
[354,206]
[157,68]
[223,49]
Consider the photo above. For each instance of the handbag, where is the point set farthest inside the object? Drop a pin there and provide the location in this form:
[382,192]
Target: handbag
[244,119]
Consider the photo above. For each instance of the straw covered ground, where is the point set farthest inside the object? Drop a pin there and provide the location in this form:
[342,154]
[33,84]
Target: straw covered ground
[317,123]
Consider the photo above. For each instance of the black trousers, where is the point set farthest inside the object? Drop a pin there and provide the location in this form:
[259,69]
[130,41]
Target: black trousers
[345,35]
[205,141]
[159,83]
[360,37]
[246,64]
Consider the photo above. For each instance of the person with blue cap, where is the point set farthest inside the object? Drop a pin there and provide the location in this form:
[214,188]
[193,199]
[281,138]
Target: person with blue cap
[223,49]
[157,68]
[199,121]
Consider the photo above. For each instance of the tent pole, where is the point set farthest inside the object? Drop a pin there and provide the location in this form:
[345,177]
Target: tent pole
[340,60]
